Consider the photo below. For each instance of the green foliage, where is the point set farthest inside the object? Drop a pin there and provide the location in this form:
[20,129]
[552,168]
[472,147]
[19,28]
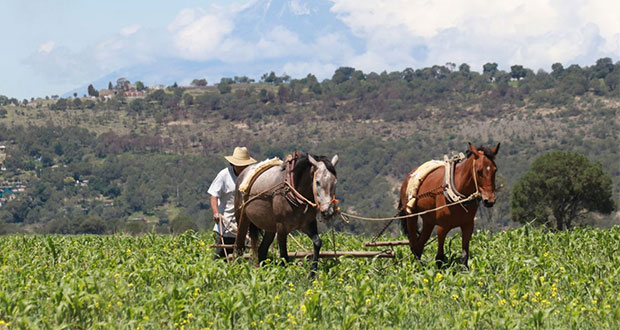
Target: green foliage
[199,82]
[524,278]
[563,184]
[224,88]
[182,223]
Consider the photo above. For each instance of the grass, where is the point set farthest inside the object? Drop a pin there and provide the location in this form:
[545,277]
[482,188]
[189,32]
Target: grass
[521,278]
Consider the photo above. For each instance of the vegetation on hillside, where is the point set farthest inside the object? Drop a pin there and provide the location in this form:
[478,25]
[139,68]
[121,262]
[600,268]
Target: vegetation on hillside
[105,160]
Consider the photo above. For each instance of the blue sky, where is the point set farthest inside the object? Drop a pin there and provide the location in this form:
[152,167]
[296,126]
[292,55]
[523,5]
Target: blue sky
[53,46]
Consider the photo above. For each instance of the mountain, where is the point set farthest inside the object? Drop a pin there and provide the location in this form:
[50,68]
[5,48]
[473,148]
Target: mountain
[308,21]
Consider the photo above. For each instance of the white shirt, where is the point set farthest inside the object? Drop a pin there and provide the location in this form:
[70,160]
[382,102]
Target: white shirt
[223,187]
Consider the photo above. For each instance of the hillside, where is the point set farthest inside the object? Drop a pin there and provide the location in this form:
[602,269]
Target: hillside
[152,157]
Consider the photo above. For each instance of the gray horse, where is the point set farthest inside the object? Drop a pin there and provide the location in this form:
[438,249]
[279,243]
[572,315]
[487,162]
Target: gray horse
[273,206]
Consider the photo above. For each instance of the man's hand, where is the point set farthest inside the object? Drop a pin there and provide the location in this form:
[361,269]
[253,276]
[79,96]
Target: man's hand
[217,217]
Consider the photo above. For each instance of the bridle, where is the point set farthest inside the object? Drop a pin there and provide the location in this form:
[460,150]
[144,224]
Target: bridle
[317,204]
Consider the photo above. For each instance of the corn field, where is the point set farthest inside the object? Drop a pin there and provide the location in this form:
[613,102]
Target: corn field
[521,278]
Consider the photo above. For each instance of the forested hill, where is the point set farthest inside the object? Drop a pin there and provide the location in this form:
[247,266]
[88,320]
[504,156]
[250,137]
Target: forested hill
[138,158]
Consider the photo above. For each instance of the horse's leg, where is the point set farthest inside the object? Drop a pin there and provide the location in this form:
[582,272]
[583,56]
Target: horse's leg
[264,245]
[440,258]
[282,236]
[412,232]
[466,231]
[427,230]
[312,232]
[242,231]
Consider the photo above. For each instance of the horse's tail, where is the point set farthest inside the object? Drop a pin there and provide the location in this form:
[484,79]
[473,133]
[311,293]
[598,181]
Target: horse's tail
[403,221]
[254,234]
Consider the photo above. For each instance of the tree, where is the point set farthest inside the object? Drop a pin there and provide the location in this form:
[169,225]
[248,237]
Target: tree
[199,82]
[464,69]
[182,223]
[77,104]
[188,99]
[603,67]
[269,77]
[92,91]
[490,69]
[224,88]
[561,186]
[556,70]
[342,74]
[139,85]
[110,85]
[517,72]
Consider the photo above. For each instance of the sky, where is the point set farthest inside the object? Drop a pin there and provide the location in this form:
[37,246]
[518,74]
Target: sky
[54,46]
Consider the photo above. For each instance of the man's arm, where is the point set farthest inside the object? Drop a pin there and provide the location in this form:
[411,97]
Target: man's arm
[217,216]
[214,206]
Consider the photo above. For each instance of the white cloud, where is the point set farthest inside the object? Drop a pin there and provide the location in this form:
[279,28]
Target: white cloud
[299,8]
[534,33]
[130,29]
[197,34]
[46,47]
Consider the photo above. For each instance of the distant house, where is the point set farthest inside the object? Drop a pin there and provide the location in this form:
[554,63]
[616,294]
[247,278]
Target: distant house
[157,87]
[107,93]
[135,93]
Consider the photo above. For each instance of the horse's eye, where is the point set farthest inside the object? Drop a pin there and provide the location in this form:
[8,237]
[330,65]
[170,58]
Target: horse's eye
[318,183]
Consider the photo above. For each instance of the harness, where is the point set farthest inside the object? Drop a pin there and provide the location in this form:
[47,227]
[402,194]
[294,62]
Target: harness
[448,187]
[286,188]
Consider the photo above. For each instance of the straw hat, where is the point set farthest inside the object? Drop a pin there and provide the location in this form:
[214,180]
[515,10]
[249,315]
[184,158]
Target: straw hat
[240,157]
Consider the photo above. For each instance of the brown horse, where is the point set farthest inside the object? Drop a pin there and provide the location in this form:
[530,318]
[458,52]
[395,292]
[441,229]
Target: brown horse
[272,206]
[474,174]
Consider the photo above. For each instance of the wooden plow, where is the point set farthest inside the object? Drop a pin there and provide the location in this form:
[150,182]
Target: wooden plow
[322,254]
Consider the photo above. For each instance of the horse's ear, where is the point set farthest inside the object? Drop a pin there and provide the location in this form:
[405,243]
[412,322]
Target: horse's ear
[495,150]
[313,161]
[335,160]
[473,150]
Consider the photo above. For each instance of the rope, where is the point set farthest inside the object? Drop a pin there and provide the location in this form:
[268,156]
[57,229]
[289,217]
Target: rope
[346,215]
[298,244]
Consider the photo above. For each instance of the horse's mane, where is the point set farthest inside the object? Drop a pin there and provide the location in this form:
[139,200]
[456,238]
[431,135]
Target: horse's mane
[303,164]
[487,152]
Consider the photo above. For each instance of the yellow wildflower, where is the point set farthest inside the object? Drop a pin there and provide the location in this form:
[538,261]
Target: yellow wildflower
[455,296]
[303,308]
[438,277]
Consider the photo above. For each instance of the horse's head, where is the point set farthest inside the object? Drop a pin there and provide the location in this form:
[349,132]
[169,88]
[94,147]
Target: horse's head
[324,185]
[484,170]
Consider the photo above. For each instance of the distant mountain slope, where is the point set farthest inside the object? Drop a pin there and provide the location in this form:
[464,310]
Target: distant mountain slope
[308,22]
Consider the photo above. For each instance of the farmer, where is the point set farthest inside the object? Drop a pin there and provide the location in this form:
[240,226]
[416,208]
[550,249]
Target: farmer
[222,192]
